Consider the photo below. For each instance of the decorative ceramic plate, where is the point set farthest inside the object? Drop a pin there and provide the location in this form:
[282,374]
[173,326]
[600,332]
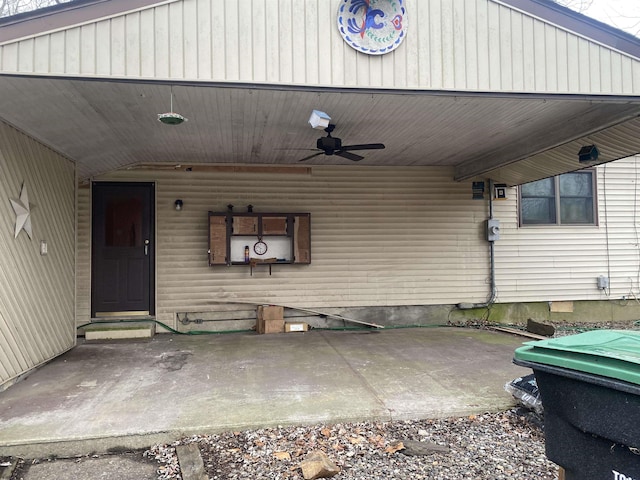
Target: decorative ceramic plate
[374,27]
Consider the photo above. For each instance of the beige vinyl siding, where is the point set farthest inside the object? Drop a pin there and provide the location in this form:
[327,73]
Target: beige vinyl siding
[379,237]
[543,263]
[384,237]
[36,292]
[470,45]
[83,256]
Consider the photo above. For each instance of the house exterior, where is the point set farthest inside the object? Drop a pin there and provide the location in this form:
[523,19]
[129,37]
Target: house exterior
[473,99]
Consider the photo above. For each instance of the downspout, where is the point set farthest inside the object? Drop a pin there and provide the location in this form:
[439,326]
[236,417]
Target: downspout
[491,238]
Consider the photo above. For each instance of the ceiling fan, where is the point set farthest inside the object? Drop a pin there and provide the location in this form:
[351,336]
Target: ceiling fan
[333,146]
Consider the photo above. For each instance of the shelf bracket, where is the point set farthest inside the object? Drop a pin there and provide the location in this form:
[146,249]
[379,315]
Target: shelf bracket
[253,264]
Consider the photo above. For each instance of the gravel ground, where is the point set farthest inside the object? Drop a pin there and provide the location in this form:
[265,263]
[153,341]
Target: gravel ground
[491,446]
[562,328]
[572,328]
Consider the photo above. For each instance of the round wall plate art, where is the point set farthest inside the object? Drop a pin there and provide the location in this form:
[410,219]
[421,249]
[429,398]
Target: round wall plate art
[374,27]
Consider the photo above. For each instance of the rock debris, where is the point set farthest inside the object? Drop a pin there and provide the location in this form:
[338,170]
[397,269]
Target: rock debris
[490,446]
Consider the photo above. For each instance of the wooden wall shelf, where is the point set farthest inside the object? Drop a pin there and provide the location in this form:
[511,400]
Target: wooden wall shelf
[286,237]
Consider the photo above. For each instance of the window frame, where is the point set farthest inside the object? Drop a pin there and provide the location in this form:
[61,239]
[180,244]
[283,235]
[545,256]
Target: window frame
[557,199]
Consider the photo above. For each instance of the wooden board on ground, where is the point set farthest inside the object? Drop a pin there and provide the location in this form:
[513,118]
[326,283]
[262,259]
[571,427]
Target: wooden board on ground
[523,333]
[301,309]
[540,328]
[333,315]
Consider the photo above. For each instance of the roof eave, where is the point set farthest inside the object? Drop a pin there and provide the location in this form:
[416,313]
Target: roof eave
[66,15]
[578,23]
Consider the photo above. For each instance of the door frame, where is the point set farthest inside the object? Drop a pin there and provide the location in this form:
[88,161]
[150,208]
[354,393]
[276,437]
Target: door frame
[152,239]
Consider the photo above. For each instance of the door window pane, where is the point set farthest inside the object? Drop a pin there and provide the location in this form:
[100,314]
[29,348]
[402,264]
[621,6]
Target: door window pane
[123,222]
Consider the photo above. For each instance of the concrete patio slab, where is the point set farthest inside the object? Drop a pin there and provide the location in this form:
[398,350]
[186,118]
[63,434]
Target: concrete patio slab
[122,467]
[108,396]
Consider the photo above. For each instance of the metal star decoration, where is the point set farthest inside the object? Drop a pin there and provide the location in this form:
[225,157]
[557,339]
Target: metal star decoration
[23,213]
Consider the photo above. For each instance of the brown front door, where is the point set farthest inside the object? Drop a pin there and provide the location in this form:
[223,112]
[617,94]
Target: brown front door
[122,249]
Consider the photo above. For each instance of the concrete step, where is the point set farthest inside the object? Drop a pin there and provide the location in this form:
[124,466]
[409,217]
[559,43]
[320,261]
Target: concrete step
[119,330]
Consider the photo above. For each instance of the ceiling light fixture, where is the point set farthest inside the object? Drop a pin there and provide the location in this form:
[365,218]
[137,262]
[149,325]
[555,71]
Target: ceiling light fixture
[171,118]
[319,120]
[588,154]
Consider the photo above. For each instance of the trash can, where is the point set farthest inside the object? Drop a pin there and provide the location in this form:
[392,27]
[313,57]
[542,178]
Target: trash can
[590,389]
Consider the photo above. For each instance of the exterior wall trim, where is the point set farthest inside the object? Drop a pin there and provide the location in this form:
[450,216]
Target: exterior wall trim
[67,15]
[595,98]
[578,23]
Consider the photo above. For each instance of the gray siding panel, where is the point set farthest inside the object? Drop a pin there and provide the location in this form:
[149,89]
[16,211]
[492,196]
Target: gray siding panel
[36,291]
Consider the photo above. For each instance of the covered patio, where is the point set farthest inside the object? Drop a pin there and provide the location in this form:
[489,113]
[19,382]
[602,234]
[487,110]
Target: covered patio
[101,396]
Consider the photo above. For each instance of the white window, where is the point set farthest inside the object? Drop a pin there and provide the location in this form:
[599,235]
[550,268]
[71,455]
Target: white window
[568,199]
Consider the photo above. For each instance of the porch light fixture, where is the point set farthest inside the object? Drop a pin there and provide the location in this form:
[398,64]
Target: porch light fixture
[171,118]
[588,154]
[178,204]
[319,120]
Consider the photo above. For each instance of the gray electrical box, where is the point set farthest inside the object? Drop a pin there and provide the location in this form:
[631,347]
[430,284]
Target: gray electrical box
[493,230]
[603,282]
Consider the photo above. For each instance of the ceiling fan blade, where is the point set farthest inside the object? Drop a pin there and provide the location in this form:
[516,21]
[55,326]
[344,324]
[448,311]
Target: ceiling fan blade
[349,156]
[297,149]
[311,156]
[366,146]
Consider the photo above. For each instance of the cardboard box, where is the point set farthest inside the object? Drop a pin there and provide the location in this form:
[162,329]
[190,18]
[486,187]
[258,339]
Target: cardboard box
[271,326]
[270,319]
[296,327]
[270,312]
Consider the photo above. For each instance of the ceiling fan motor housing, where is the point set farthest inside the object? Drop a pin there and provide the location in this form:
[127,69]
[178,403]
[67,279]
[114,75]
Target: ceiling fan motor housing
[329,144]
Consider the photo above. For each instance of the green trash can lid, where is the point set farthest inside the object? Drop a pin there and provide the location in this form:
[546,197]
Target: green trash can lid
[609,353]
